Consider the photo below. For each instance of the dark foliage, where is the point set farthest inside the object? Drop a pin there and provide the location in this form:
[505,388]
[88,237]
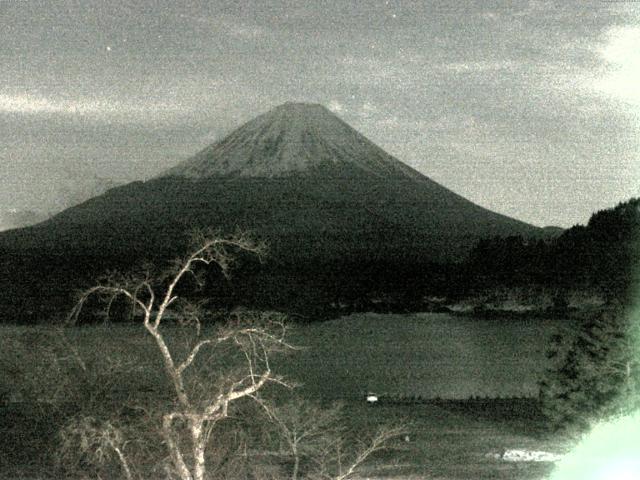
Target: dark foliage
[603,255]
[330,254]
[595,373]
[349,234]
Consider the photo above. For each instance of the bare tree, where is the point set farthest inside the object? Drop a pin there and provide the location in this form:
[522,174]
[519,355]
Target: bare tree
[315,435]
[88,440]
[341,460]
[200,401]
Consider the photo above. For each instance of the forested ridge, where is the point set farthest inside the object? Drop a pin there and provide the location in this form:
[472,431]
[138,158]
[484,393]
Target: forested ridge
[603,255]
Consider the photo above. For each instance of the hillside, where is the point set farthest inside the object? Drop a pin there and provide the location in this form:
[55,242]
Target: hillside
[329,202]
[600,258]
[18,218]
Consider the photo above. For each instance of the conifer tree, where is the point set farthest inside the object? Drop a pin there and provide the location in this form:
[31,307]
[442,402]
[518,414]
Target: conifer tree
[595,372]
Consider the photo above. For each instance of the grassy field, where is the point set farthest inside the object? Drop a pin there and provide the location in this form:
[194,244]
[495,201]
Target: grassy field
[343,359]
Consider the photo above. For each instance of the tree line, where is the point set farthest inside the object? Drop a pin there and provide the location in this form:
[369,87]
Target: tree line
[603,255]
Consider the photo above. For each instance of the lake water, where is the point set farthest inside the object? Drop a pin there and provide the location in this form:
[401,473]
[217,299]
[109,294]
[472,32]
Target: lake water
[428,355]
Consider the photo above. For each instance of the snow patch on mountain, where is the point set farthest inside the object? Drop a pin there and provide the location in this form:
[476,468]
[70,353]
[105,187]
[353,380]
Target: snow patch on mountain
[293,138]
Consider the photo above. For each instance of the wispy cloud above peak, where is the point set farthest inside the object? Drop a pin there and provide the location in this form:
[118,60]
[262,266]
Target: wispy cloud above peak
[336,107]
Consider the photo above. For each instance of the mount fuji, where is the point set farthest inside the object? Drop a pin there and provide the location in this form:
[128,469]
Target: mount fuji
[333,207]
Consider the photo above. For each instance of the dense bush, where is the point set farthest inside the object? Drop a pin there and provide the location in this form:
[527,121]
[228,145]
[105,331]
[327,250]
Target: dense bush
[595,372]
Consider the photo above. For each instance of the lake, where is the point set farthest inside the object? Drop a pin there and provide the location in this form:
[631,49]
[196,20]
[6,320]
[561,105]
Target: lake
[425,354]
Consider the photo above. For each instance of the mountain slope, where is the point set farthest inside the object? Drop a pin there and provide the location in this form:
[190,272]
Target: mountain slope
[335,209]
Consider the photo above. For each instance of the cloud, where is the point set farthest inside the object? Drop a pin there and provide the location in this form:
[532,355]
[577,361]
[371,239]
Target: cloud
[622,57]
[27,104]
[369,110]
[336,106]
[23,103]
[476,66]
[229,26]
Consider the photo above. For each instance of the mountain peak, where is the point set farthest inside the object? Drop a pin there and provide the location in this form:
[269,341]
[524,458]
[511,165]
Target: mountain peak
[291,139]
[301,106]
[302,109]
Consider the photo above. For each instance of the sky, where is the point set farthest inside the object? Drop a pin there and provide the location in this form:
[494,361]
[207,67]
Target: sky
[528,108]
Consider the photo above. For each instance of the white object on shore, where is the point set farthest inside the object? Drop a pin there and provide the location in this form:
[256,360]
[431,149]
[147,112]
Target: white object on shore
[530,456]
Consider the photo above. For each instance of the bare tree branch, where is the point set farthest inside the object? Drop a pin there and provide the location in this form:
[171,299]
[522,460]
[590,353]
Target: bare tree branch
[377,443]
[204,389]
[256,340]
